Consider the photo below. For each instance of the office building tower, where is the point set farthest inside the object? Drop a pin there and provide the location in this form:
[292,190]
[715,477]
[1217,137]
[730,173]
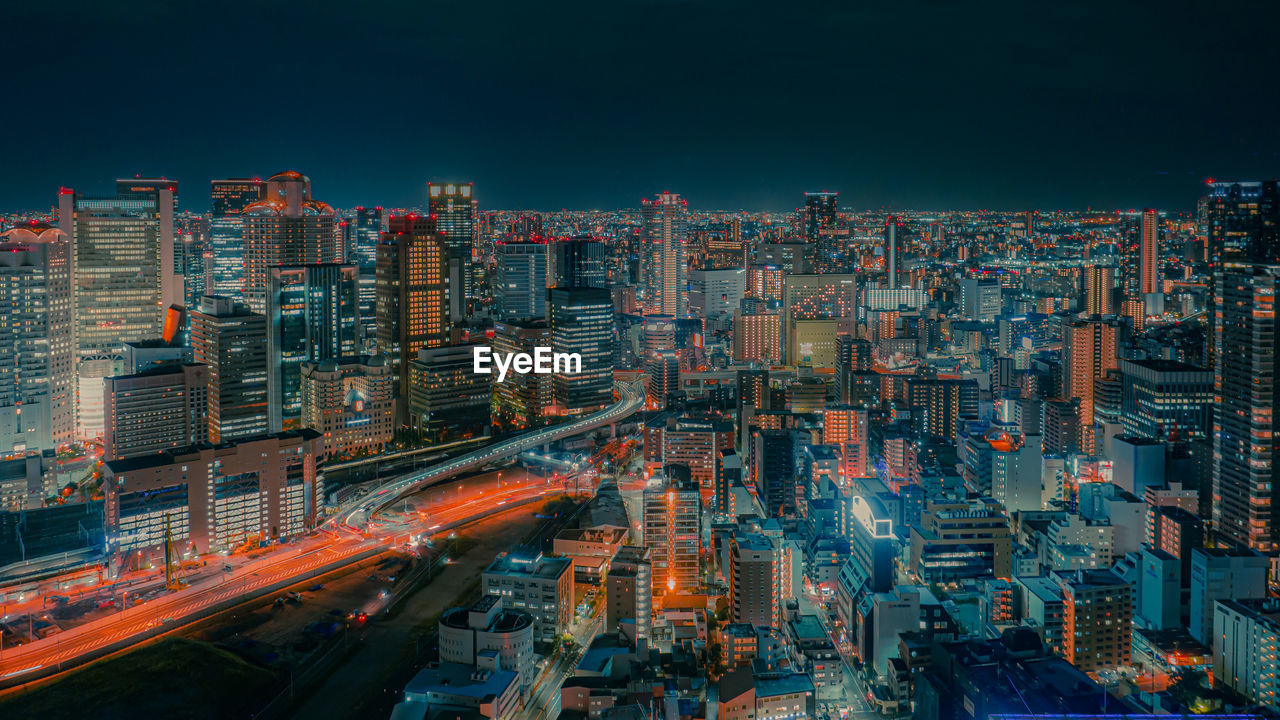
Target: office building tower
[123,255]
[759,578]
[1099,286]
[1097,622]
[819,213]
[1089,349]
[664,247]
[232,342]
[629,591]
[212,498]
[578,262]
[413,295]
[539,585]
[1222,574]
[447,399]
[673,532]
[521,290]
[1241,221]
[312,315]
[452,207]
[1163,398]
[37,341]
[158,409]
[286,227]
[815,308]
[523,401]
[366,234]
[1149,253]
[980,298]
[715,294]
[1244,474]
[226,234]
[582,325]
[893,229]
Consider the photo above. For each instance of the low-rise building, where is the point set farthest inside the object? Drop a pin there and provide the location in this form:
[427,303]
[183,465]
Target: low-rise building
[539,585]
[489,636]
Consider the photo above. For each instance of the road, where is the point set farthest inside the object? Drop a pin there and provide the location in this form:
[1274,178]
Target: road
[307,557]
[358,512]
[351,539]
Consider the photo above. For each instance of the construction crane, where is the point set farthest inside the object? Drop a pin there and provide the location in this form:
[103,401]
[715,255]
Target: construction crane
[174,579]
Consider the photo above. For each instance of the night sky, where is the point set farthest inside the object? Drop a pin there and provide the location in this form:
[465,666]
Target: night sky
[593,105]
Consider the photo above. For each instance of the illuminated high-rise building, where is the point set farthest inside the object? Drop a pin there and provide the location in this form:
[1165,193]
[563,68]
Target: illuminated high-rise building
[312,315]
[1149,253]
[521,287]
[664,253]
[847,427]
[122,255]
[522,401]
[819,213]
[759,578]
[893,229]
[1241,222]
[578,262]
[1099,282]
[232,341]
[226,233]
[1244,466]
[413,295]
[286,227]
[582,324]
[757,337]
[814,310]
[1089,349]
[363,252]
[1097,627]
[452,207]
[37,350]
[673,532]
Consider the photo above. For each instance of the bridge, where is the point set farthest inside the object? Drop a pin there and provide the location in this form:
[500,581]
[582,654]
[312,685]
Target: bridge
[630,399]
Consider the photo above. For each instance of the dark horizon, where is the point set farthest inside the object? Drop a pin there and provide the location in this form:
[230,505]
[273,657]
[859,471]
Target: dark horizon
[926,105]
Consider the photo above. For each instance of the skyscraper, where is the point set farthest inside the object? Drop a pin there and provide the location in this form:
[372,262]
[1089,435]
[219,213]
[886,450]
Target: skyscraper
[413,295]
[1099,281]
[759,578]
[664,253]
[1241,222]
[582,323]
[522,401]
[363,253]
[1149,253]
[893,228]
[286,227]
[1089,349]
[1244,469]
[452,207]
[312,315]
[819,213]
[37,351]
[226,233]
[579,262]
[521,279]
[122,253]
[232,342]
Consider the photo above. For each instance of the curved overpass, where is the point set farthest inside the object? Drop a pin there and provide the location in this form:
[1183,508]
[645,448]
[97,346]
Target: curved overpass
[630,399]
